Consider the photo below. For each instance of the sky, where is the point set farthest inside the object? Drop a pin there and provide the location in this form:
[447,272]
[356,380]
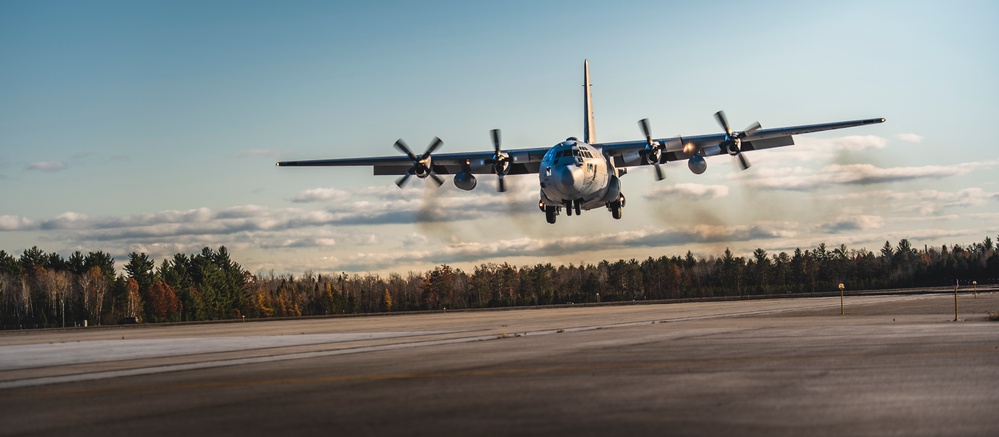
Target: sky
[154,126]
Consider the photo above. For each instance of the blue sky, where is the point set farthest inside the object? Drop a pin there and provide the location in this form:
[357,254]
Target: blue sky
[153,126]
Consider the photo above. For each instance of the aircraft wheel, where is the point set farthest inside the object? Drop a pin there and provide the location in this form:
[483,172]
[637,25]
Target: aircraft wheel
[550,214]
[616,209]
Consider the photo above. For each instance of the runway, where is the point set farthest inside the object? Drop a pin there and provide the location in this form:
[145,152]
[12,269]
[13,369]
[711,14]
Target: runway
[892,365]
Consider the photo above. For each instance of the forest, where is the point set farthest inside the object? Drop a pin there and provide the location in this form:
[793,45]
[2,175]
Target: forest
[46,290]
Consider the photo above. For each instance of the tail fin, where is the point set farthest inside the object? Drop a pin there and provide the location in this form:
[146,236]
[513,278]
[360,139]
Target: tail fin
[589,130]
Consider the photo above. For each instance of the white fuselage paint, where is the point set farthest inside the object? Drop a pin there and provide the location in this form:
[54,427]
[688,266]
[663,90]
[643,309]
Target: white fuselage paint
[575,171]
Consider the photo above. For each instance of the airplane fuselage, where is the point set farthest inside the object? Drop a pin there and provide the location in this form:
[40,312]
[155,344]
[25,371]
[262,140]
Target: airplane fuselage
[577,176]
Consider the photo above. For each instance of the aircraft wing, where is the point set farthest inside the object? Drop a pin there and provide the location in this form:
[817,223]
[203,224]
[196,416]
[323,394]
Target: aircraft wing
[625,153]
[523,161]
[628,153]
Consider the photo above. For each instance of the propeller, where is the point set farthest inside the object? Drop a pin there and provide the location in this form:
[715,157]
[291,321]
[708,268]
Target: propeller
[500,160]
[421,164]
[653,150]
[733,140]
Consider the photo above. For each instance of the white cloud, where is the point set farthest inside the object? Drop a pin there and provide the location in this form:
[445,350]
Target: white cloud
[322,195]
[415,240]
[922,201]
[806,179]
[853,223]
[47,166]
[688,191]
[909,138]
[16,223]
[811,149]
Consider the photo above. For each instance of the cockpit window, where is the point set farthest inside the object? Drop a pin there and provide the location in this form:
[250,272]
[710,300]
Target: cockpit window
[550,155]
[576,152]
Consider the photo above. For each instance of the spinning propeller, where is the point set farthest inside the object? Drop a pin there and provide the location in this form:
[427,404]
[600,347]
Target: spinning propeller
[422,166]
[733,140]
[653,150]
[500,160]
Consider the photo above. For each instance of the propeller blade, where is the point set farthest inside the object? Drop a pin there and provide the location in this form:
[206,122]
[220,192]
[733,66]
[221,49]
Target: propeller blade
[402,147]
[752,129]
[650,146]
[497,160]
[436,143]
[496,140]
[401,182]
[743,160]
[644,124]
[437,179]
[723,121]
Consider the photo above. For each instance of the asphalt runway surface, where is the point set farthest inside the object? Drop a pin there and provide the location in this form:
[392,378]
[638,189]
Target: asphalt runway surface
[892,365]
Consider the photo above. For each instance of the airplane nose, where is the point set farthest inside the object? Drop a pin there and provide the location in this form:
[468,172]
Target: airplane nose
[566,178]
[570,180]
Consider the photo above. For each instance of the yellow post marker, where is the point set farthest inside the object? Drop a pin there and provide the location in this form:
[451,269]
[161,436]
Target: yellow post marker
[842,310]
[974,284]
[957,282]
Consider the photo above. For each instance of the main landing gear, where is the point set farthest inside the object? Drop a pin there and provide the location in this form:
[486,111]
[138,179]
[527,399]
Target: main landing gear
[616,206]
[552,211]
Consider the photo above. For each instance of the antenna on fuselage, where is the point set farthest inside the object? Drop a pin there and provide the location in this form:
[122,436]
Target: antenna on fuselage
[589,130]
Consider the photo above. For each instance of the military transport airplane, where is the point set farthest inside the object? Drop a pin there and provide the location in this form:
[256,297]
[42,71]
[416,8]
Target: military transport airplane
[581,175]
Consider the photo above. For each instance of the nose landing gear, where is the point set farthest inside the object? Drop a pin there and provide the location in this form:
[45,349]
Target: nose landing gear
[571,205]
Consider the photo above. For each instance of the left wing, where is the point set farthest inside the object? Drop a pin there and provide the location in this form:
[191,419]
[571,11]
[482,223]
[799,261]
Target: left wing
[629,153]
[523,161]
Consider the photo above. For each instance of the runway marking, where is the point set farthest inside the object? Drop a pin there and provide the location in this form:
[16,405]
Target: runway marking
[30,382]
[30,356]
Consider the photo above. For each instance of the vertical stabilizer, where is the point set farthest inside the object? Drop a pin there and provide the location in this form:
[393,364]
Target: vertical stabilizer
[589,131]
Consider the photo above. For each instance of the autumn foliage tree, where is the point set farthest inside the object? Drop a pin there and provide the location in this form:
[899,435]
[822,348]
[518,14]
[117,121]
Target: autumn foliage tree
[161,302]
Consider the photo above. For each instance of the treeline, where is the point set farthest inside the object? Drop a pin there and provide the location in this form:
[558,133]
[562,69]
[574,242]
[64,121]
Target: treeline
[47,290]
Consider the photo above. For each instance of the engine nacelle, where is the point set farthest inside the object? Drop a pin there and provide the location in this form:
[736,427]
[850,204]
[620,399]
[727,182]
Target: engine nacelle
[421,169]
[697,164]
[652,156]
[464,180]
[501,165]
[733,146]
